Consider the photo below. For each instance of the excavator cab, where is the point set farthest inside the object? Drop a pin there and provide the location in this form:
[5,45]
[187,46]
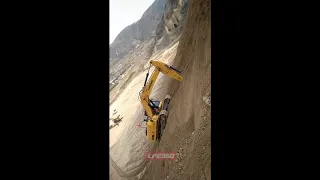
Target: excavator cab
[155,106]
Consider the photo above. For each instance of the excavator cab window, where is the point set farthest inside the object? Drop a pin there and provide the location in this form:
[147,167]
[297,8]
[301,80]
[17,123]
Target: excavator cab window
[155,103]
[155,106]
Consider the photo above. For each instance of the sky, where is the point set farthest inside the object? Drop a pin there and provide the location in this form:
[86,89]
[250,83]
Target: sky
[124,13]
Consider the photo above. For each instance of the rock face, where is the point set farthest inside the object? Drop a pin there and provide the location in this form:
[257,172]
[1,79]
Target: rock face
[161,23]
[171,24]
[137,33]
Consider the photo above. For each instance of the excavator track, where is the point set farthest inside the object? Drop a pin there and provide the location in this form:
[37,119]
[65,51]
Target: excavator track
[163,116]
[159,133]
[161,125]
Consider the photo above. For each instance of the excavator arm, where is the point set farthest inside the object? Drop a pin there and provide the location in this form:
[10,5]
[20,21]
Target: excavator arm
[146,90]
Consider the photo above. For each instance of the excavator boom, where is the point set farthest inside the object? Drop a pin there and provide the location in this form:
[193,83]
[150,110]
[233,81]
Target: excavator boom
[167,70]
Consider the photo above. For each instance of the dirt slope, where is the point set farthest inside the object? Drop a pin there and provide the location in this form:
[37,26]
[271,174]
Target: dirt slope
[188,131]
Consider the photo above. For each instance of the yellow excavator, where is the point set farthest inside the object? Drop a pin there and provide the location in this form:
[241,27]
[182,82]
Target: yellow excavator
[156,112]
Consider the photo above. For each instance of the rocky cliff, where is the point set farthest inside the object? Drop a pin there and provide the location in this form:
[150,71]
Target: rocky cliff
[133,36]
[171,23]
[160,24]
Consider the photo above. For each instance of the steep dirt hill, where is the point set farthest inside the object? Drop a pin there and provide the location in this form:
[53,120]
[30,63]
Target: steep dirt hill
[188,131]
